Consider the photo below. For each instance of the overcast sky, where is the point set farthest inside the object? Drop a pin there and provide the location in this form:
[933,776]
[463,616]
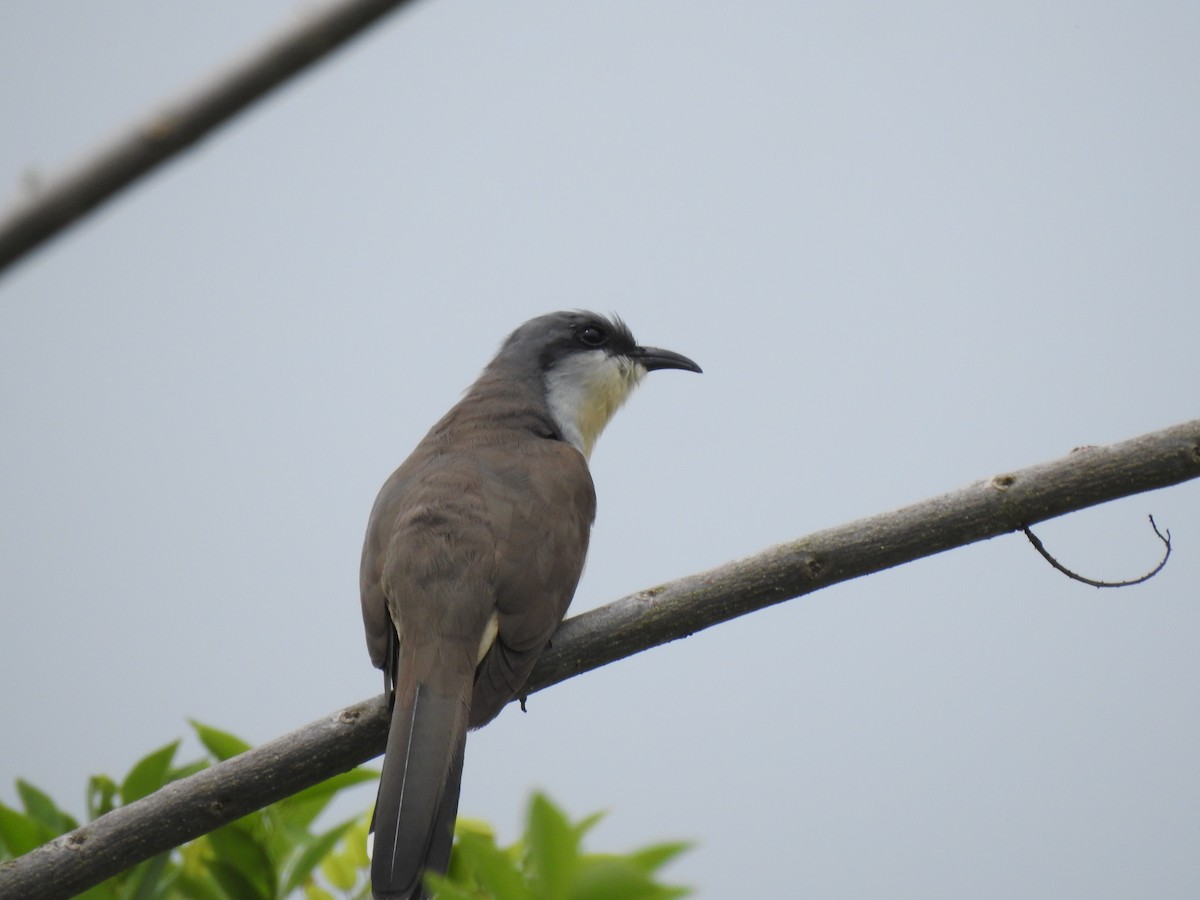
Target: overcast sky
[912,245]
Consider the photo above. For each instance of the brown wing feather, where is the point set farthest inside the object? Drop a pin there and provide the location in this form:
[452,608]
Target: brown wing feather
[547,505]
[377,623]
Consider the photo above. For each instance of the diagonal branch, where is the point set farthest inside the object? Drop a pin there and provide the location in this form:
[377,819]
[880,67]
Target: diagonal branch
[986,509]
[182,123]
[1004,503]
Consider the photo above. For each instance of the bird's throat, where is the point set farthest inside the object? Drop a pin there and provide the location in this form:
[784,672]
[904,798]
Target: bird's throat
[585,390]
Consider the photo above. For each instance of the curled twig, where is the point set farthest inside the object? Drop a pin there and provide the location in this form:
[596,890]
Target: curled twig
[1166,539]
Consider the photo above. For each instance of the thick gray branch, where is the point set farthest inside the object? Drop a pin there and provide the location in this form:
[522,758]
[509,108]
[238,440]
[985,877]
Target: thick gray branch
[998,505]
[181,124]
[995,506]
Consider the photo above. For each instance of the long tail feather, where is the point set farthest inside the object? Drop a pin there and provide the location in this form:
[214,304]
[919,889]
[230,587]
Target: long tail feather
[418,791]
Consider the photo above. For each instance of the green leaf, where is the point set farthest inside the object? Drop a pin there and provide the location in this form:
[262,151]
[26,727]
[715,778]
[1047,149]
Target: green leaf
[220,744]
[339,871]
[43,810]
[190,769]
[441,888]
[236,850]
[354,847]
[147,880]
[587,824]
[198,887]
[300,809]
[148,774]
[651,859]
[341,867]
[553,846]
[492,868]
[20,833]
[106,890]
[310,857]
[235,883]
[101,792]
[611,877]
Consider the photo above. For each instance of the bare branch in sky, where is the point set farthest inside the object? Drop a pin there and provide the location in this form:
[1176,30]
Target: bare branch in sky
[139,149]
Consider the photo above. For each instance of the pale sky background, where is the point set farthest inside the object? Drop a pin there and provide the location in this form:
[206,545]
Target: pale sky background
[912,245]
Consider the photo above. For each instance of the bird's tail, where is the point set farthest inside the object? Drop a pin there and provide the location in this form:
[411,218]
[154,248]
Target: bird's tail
[418,790]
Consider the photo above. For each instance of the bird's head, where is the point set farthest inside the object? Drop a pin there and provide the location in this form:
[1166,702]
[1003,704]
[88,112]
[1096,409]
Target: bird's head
[589,364]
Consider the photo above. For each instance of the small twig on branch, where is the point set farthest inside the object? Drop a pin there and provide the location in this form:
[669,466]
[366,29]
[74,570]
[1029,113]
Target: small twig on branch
[146,144]
[193,806]
[1040,548]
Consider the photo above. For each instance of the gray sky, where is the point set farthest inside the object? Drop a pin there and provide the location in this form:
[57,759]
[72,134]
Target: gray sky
[912,246]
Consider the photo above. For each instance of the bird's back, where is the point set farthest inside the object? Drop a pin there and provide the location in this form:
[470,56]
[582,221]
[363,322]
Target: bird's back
[490,514]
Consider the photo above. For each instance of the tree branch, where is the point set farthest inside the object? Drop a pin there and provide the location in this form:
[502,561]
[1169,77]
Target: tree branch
[180,124]
[196,805]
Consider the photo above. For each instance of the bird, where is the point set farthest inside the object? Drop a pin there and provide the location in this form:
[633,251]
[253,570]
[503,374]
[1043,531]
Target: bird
[473,550]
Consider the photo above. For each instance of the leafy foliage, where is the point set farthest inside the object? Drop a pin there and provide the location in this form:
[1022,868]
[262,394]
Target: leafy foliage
[276,853]
[266,855]
[549,864]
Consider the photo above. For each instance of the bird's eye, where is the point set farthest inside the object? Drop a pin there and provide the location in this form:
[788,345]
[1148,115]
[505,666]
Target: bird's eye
[591,336]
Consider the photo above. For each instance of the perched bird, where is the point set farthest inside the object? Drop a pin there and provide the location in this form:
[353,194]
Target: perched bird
[472,554]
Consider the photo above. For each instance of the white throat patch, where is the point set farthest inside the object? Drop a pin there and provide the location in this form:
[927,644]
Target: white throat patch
[585,389]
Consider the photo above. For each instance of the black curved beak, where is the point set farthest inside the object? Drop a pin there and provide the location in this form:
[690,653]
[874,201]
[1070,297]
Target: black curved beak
[651,358]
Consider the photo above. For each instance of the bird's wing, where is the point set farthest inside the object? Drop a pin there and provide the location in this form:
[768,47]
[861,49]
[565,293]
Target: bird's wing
[377,622]
[547,514]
